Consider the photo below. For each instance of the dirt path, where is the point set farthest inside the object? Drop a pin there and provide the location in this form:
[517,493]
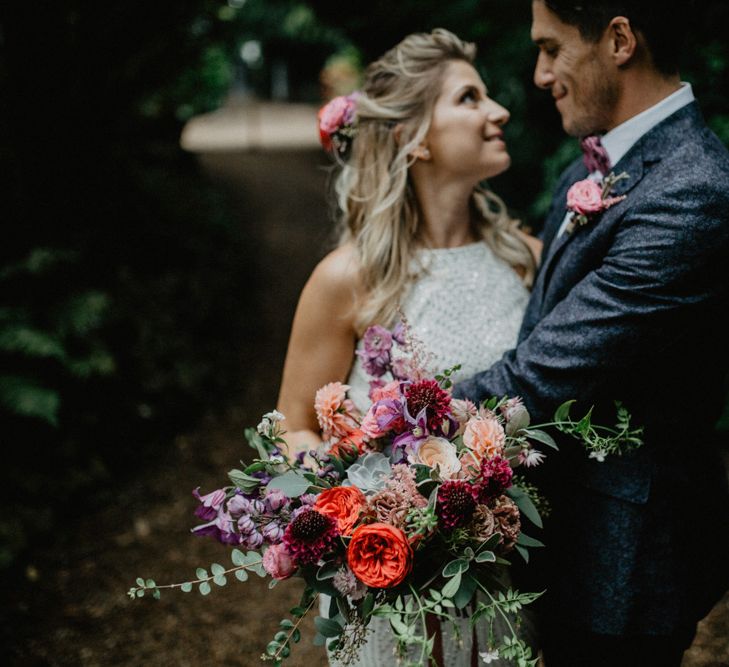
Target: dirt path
[71,607]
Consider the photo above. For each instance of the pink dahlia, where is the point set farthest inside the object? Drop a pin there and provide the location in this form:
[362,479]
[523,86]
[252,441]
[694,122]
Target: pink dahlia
[309,536]
[495,478]
[427,395]
[456,503]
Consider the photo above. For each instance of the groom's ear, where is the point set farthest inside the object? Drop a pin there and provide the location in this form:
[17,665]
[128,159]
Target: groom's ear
[623,40]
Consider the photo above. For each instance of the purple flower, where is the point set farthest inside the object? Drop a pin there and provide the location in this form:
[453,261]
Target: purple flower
[238,505]
[246,524]
[399,334]
[275,500]
[273,533]
[209,504]
[221,528]
[252,541]
[377,343]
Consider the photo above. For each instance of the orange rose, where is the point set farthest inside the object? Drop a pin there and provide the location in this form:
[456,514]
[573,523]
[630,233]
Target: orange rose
[379,555]
[343,503]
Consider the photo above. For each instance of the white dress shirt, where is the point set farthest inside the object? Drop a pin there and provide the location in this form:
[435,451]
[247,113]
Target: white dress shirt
[621,139]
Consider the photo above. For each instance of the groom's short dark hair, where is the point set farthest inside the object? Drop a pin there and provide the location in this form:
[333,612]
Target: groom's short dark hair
[662,23]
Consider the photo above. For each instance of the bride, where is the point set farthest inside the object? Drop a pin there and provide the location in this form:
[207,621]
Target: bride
[419,237]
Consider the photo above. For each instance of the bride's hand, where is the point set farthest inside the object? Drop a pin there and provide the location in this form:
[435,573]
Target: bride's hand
[303,440]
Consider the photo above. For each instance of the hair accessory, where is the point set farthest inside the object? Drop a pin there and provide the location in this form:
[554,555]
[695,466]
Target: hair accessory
[337,122]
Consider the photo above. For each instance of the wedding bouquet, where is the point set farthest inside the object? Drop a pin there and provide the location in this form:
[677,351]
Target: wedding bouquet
[407,511]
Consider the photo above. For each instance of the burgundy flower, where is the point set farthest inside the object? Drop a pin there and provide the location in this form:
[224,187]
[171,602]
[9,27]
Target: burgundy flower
[456,503]
[494,479]
[309,536]
[426,395]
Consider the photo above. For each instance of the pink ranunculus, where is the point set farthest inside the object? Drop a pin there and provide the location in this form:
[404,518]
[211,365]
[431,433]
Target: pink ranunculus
[277,562]
[585,197]
[333,116]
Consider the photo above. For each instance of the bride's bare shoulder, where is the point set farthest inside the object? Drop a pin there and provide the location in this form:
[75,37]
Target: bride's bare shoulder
[338,272]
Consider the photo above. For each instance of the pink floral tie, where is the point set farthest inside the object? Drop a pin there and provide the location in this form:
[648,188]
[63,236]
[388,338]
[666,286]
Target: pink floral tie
[594,154]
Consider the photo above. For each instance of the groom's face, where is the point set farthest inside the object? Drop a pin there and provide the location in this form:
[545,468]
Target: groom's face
[578,73]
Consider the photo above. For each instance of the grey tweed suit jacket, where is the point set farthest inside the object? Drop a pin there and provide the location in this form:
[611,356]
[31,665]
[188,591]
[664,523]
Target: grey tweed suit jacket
[630,307]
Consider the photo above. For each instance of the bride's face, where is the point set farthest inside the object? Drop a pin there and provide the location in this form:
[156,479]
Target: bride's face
[465,136]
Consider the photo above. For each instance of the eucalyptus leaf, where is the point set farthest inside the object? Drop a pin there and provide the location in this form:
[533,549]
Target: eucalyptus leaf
[217,569]
[525,505]
[186,587]
[540,436]
[327,627]
[220,580]
[204,588]
[563,411]
[237,557]
[291,483]
[455,567]
[449,590]
[527,541]
[201,573]
[241,575]
[486,557]
[465,591]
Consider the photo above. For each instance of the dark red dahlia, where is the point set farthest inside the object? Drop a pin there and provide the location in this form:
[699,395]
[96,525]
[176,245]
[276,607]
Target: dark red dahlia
[428,395]
[309,536]
[456,503]
[495,478]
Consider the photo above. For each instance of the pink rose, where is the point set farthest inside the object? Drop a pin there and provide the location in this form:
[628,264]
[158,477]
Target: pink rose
[277,562]
[333,116]
[585,197]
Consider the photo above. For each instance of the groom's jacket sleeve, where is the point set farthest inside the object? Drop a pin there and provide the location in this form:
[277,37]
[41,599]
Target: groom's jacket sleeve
[664,274]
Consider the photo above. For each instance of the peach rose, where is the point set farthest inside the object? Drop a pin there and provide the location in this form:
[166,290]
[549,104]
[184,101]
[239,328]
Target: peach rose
[484,437]
[343,503]
[379,555]
[438,452]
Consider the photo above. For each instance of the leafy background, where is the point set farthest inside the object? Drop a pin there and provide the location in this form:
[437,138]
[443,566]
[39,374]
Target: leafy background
[125,281]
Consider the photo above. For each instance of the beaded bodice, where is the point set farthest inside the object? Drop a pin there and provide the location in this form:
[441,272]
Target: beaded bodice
[465,306]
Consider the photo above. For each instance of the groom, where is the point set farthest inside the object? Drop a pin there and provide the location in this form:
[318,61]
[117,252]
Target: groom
[628,306]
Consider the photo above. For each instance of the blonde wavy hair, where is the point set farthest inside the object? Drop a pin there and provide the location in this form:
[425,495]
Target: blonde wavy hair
[379,213]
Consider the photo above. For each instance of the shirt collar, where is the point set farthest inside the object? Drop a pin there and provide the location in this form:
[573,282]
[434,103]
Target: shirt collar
[620,139]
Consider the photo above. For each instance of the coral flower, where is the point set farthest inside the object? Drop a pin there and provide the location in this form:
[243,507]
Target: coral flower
[333,410]
[342,503]
[485,437]
[379,555]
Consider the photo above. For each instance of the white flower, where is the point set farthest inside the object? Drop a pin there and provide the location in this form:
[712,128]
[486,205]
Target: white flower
[532,457]
[489,656]
[269,424]
[438,453]
[599,454]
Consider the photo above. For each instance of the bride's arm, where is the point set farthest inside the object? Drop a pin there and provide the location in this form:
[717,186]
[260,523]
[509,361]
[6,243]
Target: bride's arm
[321,346]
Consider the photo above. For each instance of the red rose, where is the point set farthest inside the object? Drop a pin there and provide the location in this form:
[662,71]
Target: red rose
[379,555]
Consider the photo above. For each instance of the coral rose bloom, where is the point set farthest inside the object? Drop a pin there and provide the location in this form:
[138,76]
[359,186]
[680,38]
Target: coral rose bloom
[342,503]
[379,555]
[484,437]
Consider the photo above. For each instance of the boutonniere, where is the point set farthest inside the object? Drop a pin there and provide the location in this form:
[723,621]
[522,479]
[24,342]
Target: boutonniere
[586,199]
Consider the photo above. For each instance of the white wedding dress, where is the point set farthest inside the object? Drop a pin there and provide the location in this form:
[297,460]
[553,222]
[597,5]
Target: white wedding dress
[466,307]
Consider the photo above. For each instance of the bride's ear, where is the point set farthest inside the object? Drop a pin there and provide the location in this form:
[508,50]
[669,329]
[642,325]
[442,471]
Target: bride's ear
[421,153]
